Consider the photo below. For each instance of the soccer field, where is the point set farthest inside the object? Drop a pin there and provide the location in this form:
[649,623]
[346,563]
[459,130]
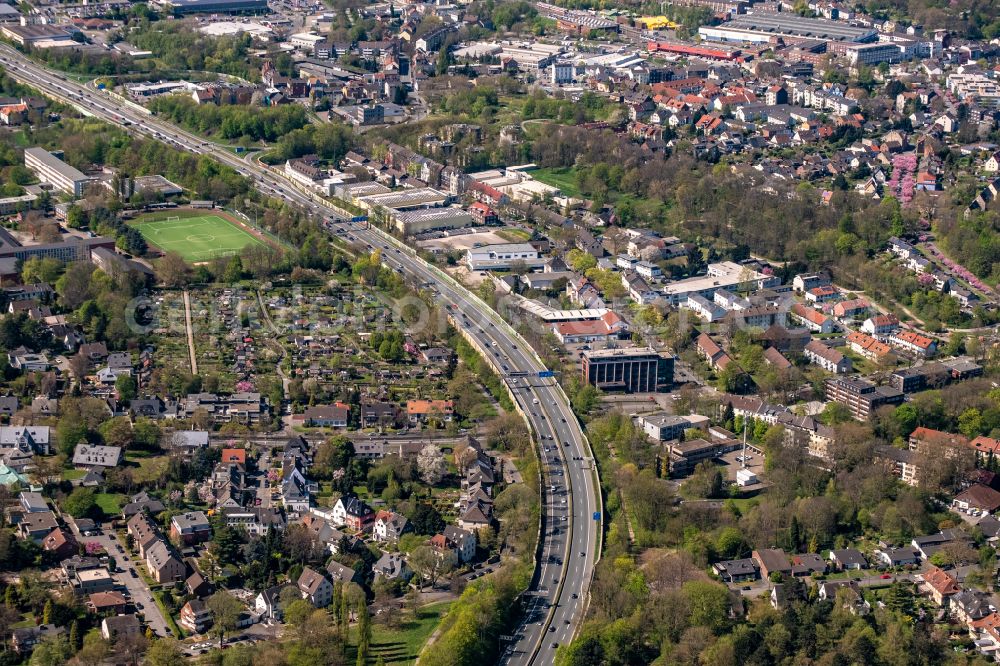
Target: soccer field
[197,238]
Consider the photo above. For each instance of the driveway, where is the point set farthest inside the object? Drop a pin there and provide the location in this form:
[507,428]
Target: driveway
[129,577]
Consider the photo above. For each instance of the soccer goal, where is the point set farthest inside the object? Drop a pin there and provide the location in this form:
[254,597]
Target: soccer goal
[172,218]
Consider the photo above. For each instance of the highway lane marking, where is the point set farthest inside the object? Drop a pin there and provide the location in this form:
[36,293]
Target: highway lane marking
[263,176]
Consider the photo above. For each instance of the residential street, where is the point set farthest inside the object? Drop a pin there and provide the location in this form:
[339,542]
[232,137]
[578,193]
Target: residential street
[129,577]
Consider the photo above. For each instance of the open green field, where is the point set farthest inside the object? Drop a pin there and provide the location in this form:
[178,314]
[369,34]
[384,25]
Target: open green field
[109,503]
[402,645]
[562,177]
[195,237]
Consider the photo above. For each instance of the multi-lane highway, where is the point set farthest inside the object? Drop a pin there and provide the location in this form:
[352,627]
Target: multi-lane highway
[570,530]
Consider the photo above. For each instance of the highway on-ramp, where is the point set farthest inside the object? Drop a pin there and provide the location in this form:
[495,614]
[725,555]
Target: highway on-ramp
[571,522]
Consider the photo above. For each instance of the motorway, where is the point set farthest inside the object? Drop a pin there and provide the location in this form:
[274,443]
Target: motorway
[557,600]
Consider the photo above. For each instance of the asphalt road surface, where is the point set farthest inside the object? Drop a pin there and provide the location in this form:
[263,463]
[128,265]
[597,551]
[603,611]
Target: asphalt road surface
[557,600]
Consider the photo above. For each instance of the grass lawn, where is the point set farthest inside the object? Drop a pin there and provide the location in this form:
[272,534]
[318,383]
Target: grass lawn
[402,645]
[110,503]
[514,235]
[563,177]
[151,467]
[178,632]
[71,474]
[195,237]
[744,503]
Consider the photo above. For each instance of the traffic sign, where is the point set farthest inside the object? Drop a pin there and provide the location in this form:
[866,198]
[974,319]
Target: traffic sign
[597,515]
[546,373]
[359,218]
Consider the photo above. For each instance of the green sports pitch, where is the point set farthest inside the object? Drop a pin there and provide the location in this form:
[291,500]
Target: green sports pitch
[195,237]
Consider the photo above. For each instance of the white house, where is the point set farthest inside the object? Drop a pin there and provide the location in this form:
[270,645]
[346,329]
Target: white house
[502,256]
[880,326]
[992,164]
[827,358]
[649,271]
[464,541]
[268,603]
[704,308]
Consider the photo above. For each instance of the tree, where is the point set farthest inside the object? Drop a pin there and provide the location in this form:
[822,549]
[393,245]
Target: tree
[52,651]
[970,422]
[164,652]
[37,269]
[74,635]
[709,604]
[94,651]
[834,413]
[130,647]
[126,388]
[431,464]
[431,564]
[8,616]
[425,519]
[580,261]
[225,612]
[80,503]
[172,270]
[117,432]
[364,635]
[297,612]
[333,454]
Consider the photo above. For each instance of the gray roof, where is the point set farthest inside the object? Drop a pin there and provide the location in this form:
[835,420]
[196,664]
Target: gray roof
[51,161]
[744,567]
[340,572]
[848,556]
[311,580]
[194,439]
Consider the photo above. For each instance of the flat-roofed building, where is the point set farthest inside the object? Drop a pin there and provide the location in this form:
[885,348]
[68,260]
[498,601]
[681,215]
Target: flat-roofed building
[762,27]
[73,249]
[30,35]
[502,256]
[179,7]
[53,171]
[874,54]
[685,456]
[11,205]
[665,427]
[419,197]
[639,370]
[724,275]
[353,192]
[431,219]
[861,397]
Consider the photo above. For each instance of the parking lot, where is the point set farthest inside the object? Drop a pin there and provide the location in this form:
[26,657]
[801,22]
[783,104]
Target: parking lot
[732,463]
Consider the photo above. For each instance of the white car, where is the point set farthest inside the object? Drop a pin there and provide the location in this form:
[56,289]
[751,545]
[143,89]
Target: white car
[535,401]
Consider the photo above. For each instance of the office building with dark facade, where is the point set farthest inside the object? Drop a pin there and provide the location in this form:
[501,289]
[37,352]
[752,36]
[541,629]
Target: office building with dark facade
[642,370]
[179,7]
[861,397]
